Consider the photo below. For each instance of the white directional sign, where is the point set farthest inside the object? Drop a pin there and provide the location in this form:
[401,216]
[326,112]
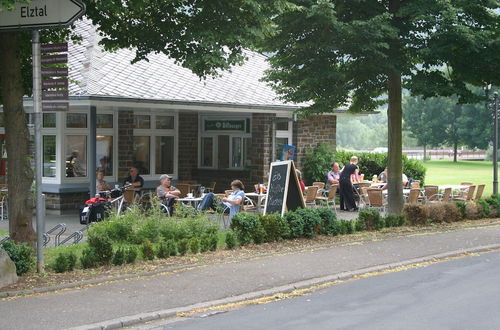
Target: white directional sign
[41,14]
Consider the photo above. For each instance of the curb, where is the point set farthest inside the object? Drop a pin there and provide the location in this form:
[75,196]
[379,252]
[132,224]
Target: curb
[168,313]
[7,294]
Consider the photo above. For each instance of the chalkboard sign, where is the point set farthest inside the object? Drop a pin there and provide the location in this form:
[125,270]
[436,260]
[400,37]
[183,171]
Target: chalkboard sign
[283,189]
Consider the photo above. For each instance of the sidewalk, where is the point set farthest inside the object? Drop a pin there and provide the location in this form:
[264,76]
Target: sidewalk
[153,296]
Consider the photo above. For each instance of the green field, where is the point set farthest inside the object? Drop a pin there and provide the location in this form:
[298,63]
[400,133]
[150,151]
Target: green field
[441,172]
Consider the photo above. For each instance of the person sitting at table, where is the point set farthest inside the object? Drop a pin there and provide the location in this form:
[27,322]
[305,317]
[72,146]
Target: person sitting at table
[167,193]
[134,179]
[230,204]
[382,177]
[301,182]
[333,176]
[101,184]
[404,180]
[347,201]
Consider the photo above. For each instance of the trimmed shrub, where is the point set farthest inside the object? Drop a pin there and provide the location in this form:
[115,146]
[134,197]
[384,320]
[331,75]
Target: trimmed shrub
[183,246]
[230,240]
[248,228]
[485,208]
[472,210]
[328,219]
[436,212]
[394,220]
[451,212]
[172,247]
[119,230]
[162,252]
[311,220]
[130,255]
[494,203]
[119,257]
[372,219]
[359,225]
[194,245]
[147,250]
[213,240]
[275,227]
[204,243]
[149,230]
[461,209]
[346,227]
[22,255]
[295,223]
[102,245]
[60,265]
[89,258]
[416,214]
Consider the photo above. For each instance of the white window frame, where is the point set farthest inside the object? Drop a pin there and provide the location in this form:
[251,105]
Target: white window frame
[152,133]
[285,134]
[73,131]
[202,133]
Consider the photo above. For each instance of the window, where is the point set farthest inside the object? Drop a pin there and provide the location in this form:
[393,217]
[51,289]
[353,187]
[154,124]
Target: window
[280,142]
[49,156]
[76,120]
[237,152]
[49,120]
[207,152]
[142,121]
[164,155]
[76,155]
[223,154]
[164,122]
[104,154]
[282,126]
[104,121]
[141,154]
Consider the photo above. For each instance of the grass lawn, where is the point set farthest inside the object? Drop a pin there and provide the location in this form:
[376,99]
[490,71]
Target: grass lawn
[441,172]
[4,232]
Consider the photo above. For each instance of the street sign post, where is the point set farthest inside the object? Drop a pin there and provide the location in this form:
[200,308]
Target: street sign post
[41,14]
[35,15]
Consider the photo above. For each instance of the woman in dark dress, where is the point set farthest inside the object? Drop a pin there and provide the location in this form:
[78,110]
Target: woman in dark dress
[347,201]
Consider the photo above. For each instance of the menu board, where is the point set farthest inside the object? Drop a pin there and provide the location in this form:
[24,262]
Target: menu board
[283,189]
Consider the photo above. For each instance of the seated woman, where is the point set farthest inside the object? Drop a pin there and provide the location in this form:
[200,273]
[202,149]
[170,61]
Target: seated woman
[101,184]
[231,204]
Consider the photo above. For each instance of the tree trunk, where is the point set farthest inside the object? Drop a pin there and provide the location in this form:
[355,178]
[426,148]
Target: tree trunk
[455,148]
[19,171]
[395,163]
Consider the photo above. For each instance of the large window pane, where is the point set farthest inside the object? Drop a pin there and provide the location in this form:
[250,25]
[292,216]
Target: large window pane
[223,157]
[142,121]
[237,152]
[49,156]
[282,126]
[140,158]
[104,120]
[76,155]
[207,154]
[164,154]
[165,122]
[49,120]
[104,154]
[76,120]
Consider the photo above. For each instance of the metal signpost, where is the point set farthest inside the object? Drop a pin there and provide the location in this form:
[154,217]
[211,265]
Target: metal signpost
[36,15]
[495,143]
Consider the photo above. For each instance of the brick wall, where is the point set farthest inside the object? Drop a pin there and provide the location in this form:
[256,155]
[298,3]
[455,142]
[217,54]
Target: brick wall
[312,131]
[262,144]
[125,142]
[66,201]
[188,145]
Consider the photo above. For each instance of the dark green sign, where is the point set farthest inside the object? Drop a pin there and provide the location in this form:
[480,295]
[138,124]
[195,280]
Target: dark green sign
[225,125]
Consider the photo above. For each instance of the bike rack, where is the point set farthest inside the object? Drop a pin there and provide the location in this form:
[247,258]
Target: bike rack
[46,239]
[5,239]
[62,229]
[76,236]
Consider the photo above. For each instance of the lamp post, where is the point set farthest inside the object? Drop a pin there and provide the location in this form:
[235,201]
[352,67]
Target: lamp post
[495,143]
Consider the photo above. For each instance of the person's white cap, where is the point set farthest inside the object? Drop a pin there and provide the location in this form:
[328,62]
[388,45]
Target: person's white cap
[165,176]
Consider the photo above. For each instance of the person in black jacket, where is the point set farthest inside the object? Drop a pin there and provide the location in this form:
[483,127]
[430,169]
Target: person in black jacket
[347,201]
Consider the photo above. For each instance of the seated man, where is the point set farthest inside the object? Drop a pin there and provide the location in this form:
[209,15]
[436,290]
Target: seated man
[167,193]
[134,178]
[382,177]
[404,180]
[231,204]
[333,176]
[101,184]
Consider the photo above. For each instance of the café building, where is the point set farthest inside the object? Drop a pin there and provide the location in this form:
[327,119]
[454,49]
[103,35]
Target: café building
[163,119]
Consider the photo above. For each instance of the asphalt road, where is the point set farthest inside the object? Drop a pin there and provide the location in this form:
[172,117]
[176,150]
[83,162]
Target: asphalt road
[457,294]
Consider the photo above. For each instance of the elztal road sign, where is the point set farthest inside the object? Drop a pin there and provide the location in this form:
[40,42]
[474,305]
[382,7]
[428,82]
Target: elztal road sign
[41,14]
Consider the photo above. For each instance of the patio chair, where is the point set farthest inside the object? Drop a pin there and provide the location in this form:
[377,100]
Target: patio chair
[129,196]
[413,196]
[184,188]
[248,205]
[310,198]
[466,183]
[479,192]
[363,198]
[211,186]
[330,199]
[468,196]
[320,185]
[431,193]
[228,192]
[446,195]
[415,185]
[376,199]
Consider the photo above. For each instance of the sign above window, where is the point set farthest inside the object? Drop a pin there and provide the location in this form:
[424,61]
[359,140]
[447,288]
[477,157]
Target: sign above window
[225,125]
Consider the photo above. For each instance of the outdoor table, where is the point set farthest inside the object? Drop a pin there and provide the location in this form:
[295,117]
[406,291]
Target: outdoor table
[453,187]
[195,201]
[260,198]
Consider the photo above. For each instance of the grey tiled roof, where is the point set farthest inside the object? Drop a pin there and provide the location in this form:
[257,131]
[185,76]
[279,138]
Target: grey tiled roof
[101,73]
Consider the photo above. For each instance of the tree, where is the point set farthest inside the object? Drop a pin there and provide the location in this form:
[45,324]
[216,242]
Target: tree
[203,35]
[354,53]
[426,119]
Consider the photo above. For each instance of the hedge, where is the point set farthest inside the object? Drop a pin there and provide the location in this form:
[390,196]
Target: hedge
[317,163]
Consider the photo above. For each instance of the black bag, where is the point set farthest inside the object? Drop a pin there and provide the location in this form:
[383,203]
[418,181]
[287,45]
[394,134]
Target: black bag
[116,193]
[92,212]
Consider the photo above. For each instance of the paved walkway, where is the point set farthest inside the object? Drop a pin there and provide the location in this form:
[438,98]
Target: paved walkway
[147,297]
